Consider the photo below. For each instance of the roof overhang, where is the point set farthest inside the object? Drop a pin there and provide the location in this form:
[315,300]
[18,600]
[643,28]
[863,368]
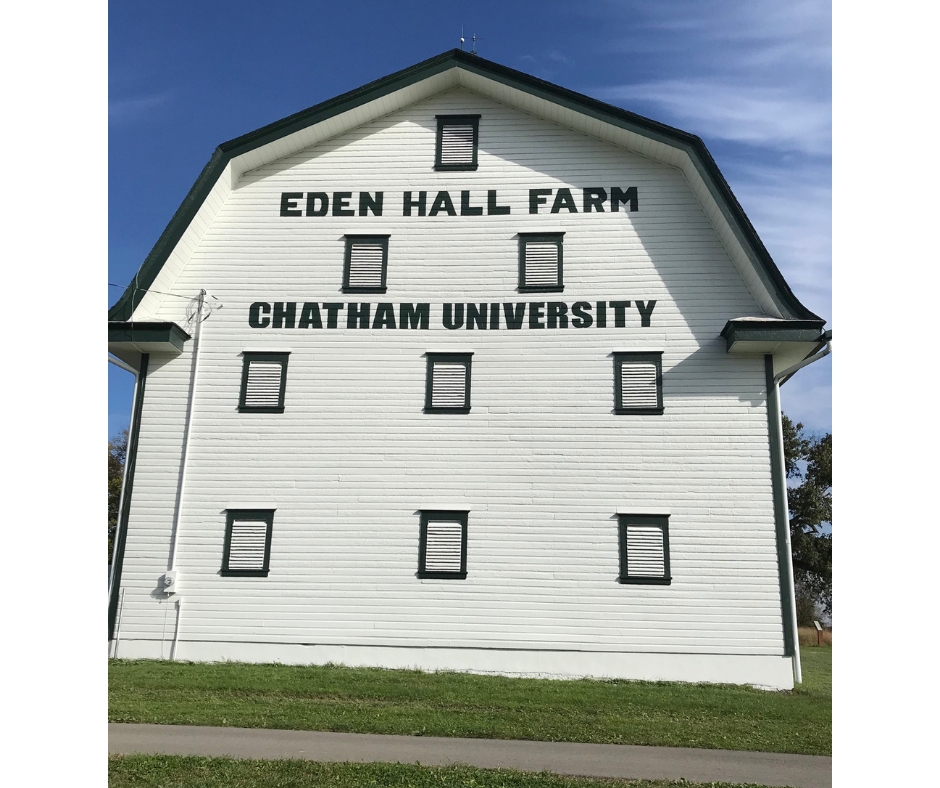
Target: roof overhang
[128,341]
[788,341]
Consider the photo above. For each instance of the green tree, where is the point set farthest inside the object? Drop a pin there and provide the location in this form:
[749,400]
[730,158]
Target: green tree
[117,456]
[809,464]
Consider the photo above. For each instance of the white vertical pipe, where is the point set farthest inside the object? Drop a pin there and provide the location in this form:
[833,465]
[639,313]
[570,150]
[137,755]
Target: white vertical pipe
[197,333]
[186,432]
[797,665]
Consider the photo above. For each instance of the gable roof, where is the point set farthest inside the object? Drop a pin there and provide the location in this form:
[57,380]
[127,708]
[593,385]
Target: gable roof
[538,97]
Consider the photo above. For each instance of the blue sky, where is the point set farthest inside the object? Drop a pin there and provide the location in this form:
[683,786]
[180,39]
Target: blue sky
[753,79]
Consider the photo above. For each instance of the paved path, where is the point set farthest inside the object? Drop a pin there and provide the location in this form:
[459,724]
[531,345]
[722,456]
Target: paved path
[595,760]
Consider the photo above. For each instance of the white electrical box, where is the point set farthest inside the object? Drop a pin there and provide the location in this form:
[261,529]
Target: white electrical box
[170,582]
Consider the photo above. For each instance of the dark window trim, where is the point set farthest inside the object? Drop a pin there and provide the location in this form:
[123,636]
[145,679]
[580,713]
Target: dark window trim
[454,120]
[347,257]
[466,359]
[524,239]
[452,515]
[250,356]
[657,520]
[657,359]
[261,515]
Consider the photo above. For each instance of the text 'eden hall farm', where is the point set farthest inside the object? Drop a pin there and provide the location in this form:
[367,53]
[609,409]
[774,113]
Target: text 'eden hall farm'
[594,199]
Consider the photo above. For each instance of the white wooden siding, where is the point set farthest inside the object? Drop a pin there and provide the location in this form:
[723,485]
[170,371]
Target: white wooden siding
[541,462]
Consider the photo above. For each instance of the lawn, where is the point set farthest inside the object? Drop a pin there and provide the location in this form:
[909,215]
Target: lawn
[139,771]
[361,700]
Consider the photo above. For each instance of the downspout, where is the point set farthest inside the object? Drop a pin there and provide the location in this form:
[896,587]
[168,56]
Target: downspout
[120,536]
[184,463]
[783,513]
[117,530]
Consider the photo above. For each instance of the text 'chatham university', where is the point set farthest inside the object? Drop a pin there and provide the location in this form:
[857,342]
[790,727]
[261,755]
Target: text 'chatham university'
[531,314]
[417,203]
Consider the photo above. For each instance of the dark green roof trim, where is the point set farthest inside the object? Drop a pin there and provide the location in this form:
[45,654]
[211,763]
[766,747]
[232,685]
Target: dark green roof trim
[578,102]
[168,333]
[772,331]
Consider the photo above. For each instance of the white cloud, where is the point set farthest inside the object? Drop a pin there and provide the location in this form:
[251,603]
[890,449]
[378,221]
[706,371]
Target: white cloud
[777,117]
[133,109]
[791,209]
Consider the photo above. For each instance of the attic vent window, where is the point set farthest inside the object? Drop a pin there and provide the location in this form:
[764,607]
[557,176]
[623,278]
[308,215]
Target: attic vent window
[644,549]
[540,262]
[447,389]
[638,383]
[264,380]
[457,139]
[247,549]
[365,264]
[442,549]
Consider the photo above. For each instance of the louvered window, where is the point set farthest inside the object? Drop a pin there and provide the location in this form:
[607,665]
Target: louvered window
[448,383]
[442,550]
[247,549]
[365,264]
[644,549]
[264,380]
[457,138]
[638,383]
[540,262]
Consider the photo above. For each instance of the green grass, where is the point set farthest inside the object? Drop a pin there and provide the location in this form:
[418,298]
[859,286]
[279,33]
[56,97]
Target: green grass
[138,771]
[363,700]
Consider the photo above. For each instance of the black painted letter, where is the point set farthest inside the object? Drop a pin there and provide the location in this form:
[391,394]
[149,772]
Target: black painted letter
[255,311]
[420,204]
[646,311]
[289,204]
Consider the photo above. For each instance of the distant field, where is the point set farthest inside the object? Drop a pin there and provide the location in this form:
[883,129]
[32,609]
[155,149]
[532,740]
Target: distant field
[363,700]
[138,771]
[808,636]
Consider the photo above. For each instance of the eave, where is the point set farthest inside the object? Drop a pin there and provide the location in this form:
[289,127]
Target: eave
[128,340]
[788,341]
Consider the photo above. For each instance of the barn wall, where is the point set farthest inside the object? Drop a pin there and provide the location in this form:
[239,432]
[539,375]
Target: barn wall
[541,462]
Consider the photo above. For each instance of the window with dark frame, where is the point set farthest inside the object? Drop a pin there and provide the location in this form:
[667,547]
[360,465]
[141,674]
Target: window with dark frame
[264,381]
[638,383]
[644,549]
[247,548]
[442,547]
[447,388]
[457,140]
[365,264]
[540,263]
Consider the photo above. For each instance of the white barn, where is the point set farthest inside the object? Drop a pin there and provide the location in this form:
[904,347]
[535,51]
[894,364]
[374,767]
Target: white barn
[460,370]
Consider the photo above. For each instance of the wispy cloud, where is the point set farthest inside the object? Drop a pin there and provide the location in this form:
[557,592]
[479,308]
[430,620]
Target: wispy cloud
[791,209]
[777,117]
[130,110]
